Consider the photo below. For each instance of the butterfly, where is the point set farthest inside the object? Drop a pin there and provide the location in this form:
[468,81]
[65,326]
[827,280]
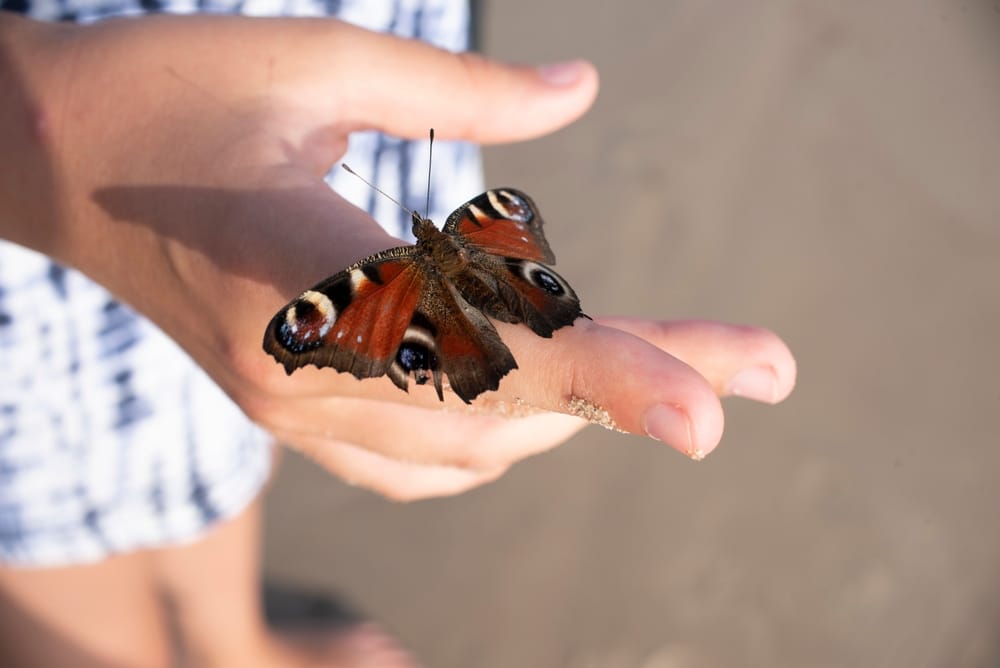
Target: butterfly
[422,311]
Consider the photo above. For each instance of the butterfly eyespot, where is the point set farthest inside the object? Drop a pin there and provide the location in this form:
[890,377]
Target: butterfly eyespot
[415,357]
[547,282]
[510,206]
[307,321]
[417,353]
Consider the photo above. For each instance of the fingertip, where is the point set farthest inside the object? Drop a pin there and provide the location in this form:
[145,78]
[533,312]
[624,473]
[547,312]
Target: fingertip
[621,381]
[786,369]
[410,86]
[738,360]
[570,88]
[694,428]
[510,102]
[759,383]
[576,74]
[769,378]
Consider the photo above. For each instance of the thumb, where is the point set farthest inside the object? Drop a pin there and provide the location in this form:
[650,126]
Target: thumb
[405,87]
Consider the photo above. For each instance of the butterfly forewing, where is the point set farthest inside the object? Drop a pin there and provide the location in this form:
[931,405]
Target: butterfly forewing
[503,222]
[353,321]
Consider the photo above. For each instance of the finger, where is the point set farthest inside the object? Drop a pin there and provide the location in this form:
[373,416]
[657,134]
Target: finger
[407,86]
[737,360]
[428,435]
[615,379]
[354,78]
[404,87]
[393,479]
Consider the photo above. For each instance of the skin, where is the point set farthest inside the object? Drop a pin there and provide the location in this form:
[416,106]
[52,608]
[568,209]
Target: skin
[133,610]
[179,162]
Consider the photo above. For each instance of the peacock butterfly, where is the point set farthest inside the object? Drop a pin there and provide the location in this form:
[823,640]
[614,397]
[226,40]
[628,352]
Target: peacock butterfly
[422,310]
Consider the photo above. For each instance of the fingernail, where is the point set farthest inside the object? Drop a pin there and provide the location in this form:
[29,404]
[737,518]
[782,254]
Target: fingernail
[756,382]
[561,74]
[672,425]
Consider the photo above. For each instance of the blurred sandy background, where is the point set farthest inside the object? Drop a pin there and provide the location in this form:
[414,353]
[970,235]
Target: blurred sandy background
[830,170]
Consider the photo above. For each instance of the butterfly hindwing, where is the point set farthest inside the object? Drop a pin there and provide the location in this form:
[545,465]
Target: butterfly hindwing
[522,291]
[449,337]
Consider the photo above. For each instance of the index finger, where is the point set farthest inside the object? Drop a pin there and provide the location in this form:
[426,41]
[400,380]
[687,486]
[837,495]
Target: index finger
[618,380]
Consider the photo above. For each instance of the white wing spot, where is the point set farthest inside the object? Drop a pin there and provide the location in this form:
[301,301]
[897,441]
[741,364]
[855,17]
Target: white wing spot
[322,304]
[358,279]
[476,211]
[512,206]
[340,334]
[501,207]
[359,338]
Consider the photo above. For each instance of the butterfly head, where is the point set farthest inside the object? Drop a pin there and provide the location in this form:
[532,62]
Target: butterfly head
[420,225]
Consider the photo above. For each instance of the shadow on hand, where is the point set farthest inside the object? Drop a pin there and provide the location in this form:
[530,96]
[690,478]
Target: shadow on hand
[288,238]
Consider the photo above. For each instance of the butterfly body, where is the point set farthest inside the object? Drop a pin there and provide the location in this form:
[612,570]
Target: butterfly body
[421,311]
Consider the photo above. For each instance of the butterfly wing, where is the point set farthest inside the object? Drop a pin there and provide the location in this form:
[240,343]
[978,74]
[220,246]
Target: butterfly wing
[391,314]
[353,321]
[521,291]
[503,222]
[457,339]
[507,278]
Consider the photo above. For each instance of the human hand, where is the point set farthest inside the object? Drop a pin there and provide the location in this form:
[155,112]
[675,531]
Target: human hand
[181,166]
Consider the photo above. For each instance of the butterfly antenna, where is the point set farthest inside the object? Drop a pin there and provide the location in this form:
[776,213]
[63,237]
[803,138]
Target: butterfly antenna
[377,189]
[430,161]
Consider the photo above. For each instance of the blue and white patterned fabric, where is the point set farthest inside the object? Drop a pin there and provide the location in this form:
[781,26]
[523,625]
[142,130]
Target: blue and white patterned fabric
[111,438]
